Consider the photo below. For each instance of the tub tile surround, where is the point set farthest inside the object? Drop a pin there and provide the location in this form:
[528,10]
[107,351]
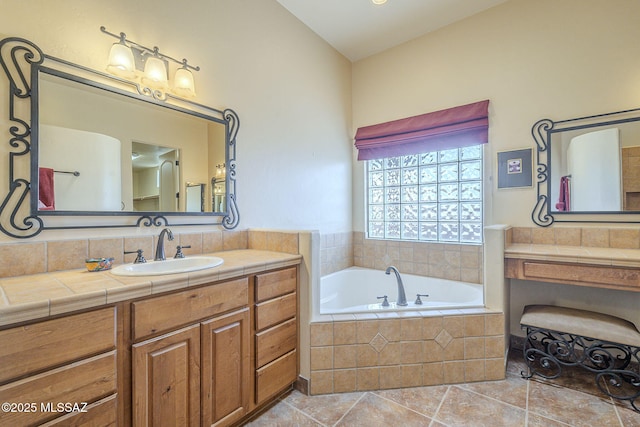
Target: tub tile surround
[362,352]
[336,252]
[441,260]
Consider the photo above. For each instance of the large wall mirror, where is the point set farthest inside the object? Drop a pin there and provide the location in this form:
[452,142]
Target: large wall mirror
[85,143]
[588,169]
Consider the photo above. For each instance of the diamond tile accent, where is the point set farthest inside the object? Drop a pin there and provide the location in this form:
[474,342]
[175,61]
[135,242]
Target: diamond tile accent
[444,338]
[378,342]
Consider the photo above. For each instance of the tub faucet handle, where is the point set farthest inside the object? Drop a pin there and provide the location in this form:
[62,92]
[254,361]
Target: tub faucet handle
[385,303]
[418,300]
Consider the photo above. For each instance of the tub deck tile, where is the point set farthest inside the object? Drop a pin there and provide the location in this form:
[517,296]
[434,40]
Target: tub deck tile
[343,317]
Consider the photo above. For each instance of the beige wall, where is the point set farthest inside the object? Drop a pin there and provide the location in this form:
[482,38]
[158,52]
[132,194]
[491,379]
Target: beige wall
[291,90]
[531,59]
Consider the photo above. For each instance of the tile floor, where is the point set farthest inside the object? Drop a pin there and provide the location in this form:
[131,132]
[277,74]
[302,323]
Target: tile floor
[572,400]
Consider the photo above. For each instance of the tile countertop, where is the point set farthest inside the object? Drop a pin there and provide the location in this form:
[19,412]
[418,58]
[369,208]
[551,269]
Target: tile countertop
[574,254]
[25,298]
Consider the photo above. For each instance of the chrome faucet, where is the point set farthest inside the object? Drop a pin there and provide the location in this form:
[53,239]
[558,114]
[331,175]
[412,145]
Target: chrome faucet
[160,256]
[402,298]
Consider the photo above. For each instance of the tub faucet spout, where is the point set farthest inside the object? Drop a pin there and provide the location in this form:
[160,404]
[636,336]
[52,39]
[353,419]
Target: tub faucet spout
[402,298]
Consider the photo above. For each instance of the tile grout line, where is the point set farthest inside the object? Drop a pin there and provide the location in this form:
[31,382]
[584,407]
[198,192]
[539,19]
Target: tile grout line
[401,405]
[351,407]
[489,397]
[615,407]
[302,412]
[444,397]
[526,405]
[558,386]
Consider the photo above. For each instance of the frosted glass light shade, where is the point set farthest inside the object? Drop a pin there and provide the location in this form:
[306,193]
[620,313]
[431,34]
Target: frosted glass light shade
[183,83]
[155,73]
[121,61]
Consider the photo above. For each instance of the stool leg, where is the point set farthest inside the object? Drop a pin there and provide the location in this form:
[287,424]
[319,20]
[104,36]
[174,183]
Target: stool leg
[540,361]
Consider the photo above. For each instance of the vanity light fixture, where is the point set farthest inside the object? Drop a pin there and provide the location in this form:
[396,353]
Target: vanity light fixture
[183,83]
[378,1]
[134,61]
[155,72]
[121,60]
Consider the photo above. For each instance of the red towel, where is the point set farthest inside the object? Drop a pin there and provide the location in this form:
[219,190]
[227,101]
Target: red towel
[564,199]
[46,197]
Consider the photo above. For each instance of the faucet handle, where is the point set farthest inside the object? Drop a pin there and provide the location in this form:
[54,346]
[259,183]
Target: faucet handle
[385,303]
[418,300]
[139,258]
[179,253]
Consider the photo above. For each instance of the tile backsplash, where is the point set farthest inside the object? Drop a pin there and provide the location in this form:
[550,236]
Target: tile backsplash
[41,257]
[599,237]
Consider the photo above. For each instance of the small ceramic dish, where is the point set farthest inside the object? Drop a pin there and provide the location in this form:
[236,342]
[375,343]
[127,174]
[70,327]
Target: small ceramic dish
[98,264]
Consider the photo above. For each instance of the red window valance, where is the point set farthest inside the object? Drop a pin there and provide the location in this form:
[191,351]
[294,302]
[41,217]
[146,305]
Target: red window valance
[451,128]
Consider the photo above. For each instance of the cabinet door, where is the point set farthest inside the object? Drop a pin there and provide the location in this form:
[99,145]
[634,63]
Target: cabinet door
[166,379]
[226,368]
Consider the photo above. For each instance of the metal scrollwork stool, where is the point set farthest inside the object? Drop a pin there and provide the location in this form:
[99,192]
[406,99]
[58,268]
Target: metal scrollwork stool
[605,345]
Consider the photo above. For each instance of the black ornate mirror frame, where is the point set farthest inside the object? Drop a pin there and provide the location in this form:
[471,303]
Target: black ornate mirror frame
[21,61]
[542,132]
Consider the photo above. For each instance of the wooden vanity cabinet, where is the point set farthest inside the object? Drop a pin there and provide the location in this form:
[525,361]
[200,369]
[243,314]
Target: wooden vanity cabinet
[68,360]
[276,338]
[226,368]
[198,374]
[208,355]
[166,379]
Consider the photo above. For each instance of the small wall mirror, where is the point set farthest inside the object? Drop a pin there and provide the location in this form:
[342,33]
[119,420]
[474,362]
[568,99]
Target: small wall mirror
[102,146]
[588,169]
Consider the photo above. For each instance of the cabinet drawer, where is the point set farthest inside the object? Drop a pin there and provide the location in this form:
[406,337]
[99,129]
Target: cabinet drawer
[276,283]
[276,310]
[103,413]
[273,343]
[163,313]
[43,345]
[276,376]
[84,381]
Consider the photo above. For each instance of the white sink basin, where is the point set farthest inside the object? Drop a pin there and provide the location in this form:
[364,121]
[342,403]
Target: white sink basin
[170,266]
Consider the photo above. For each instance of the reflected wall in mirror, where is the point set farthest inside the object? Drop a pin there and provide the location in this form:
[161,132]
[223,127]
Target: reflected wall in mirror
[98,145]
[195,197]
[149,137]
[588,169]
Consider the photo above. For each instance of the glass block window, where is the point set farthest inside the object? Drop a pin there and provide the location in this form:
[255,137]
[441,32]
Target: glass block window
[434,196]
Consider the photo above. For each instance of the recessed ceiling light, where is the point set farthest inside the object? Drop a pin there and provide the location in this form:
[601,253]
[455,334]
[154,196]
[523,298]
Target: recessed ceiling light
[378,1]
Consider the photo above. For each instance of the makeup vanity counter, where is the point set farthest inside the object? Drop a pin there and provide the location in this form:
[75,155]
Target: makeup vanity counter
[609,268]
[208,347]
